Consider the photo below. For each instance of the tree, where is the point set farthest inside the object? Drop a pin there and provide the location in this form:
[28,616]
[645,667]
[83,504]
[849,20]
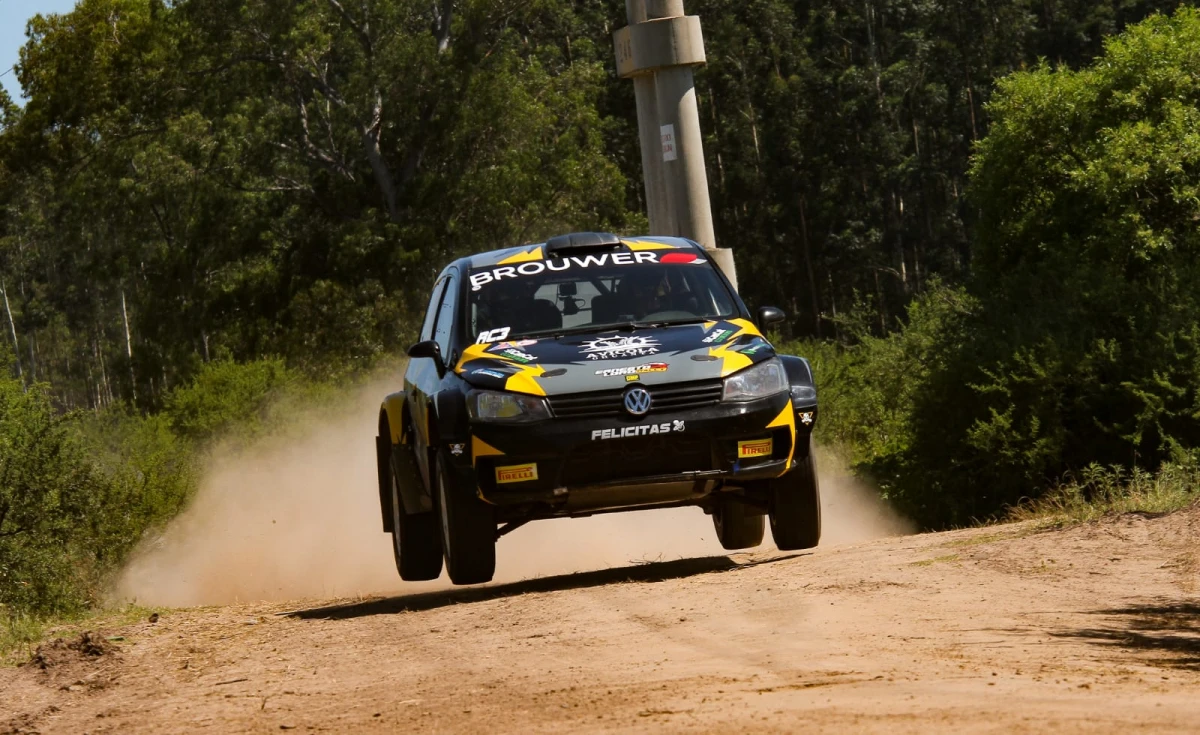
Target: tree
[1084,345]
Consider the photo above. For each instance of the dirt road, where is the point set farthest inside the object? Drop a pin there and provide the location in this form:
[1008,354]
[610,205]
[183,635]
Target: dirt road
[1009,629]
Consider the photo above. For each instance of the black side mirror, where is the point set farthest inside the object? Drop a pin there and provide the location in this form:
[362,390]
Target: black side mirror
[768,315]
[429,349]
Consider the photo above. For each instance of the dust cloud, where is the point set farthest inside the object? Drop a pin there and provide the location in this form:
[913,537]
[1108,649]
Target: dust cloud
[282,521]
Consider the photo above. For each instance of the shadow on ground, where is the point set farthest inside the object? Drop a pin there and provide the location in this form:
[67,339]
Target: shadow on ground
[652,572]
[1168,628]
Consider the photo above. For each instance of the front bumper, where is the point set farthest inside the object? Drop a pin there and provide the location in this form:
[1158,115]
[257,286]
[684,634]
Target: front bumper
[666,457]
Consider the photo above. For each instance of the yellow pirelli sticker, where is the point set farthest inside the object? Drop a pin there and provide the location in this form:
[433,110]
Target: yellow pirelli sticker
[516,473]
[755,448]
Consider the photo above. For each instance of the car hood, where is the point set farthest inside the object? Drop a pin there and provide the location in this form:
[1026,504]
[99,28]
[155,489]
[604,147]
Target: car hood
[609,359]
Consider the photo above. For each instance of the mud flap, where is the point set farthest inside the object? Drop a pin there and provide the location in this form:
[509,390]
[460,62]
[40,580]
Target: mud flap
[408,476]
[383,446]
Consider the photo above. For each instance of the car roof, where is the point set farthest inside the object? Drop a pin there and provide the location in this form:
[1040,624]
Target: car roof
[535,250]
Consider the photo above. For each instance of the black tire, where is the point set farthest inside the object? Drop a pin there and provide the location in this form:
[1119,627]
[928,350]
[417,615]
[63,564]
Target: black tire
[416,540]
[738,525]
[796,506]
[468,529]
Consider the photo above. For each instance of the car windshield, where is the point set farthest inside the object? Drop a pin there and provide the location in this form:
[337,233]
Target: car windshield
[594,291]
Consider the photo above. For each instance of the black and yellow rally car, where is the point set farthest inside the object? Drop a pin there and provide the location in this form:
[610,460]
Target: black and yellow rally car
[591,374]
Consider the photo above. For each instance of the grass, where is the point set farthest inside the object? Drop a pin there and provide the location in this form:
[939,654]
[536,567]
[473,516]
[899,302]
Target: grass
[936,560]
[1103,491]
[21,634]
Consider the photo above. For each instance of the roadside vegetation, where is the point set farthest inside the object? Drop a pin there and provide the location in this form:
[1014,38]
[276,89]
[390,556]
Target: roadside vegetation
[1075,343]
[985,229]
[79,490]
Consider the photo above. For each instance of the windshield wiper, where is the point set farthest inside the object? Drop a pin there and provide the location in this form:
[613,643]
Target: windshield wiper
[668,323]
[618,327]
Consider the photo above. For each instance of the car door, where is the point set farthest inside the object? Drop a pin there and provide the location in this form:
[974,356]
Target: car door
[422,380]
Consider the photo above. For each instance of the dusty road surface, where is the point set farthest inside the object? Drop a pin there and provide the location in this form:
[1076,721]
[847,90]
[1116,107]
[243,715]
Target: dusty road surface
[1094,628]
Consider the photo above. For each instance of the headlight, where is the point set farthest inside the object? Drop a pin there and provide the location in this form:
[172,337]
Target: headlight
[762,380]
[804,393]
[486,405]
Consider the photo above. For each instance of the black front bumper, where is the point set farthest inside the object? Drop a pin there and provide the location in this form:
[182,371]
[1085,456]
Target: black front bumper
[668,456]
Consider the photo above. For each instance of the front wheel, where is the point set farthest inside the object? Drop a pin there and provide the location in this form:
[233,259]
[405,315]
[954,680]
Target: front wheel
[738,525]
[796,506]
[468,529]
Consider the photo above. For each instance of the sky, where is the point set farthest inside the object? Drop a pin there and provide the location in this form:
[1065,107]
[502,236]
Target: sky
[13,15]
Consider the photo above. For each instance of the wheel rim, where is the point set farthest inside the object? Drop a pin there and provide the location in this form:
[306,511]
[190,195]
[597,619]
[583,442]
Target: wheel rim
[445,514]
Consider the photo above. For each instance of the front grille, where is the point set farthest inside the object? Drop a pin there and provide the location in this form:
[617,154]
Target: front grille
[621,459]
[671,397]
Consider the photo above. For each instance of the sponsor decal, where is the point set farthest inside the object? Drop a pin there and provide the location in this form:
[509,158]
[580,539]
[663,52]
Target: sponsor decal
[513,353]
[718,336]
[625,432]
[516,473]
[516,345]
[618,347]
[483,277]
[457,449]
[494,335]
[632,378]
[633,372]
[806,418]
[490,374]
[755,448]
[754,349]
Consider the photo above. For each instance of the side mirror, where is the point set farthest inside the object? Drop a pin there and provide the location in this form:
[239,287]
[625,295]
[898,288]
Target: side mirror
[428,349]
[768,315]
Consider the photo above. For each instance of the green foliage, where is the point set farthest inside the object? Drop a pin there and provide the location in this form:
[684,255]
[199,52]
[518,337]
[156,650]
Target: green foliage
[1101,491]
[1076,341]
[211,211]
[868,389]
[225,395]
[79,491]
[45,489]
[208,180]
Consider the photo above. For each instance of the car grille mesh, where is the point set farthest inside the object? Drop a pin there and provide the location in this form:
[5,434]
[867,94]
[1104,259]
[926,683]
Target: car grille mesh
[607,461]
[666,398]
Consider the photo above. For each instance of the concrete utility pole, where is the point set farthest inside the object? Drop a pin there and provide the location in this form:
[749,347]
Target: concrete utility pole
[658,50]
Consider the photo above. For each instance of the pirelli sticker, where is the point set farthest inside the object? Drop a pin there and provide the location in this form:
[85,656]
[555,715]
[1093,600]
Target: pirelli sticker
[516,473]
[755,449]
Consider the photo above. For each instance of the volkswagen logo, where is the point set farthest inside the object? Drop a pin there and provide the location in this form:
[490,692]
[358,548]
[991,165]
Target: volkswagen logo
[637,401]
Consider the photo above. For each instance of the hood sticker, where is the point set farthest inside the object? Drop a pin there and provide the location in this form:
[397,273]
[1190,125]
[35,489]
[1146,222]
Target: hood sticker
[494,335]
[721,335]
[653,367]
[617,347]
[561,365]
[486,373]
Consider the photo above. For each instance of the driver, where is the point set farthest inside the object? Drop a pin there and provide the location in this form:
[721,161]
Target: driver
[644,291]
[509,305]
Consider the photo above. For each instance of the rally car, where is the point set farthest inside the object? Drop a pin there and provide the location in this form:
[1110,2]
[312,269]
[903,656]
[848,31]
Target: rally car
[591,374]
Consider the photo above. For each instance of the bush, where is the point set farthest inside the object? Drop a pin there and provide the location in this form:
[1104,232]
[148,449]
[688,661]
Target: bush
[1077,341]
[45,489]
[79,491]
[227,395]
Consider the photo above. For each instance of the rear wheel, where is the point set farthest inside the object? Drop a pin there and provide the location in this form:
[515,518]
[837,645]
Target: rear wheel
[796,506]
[416,543]
[738,525]
[468,529]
